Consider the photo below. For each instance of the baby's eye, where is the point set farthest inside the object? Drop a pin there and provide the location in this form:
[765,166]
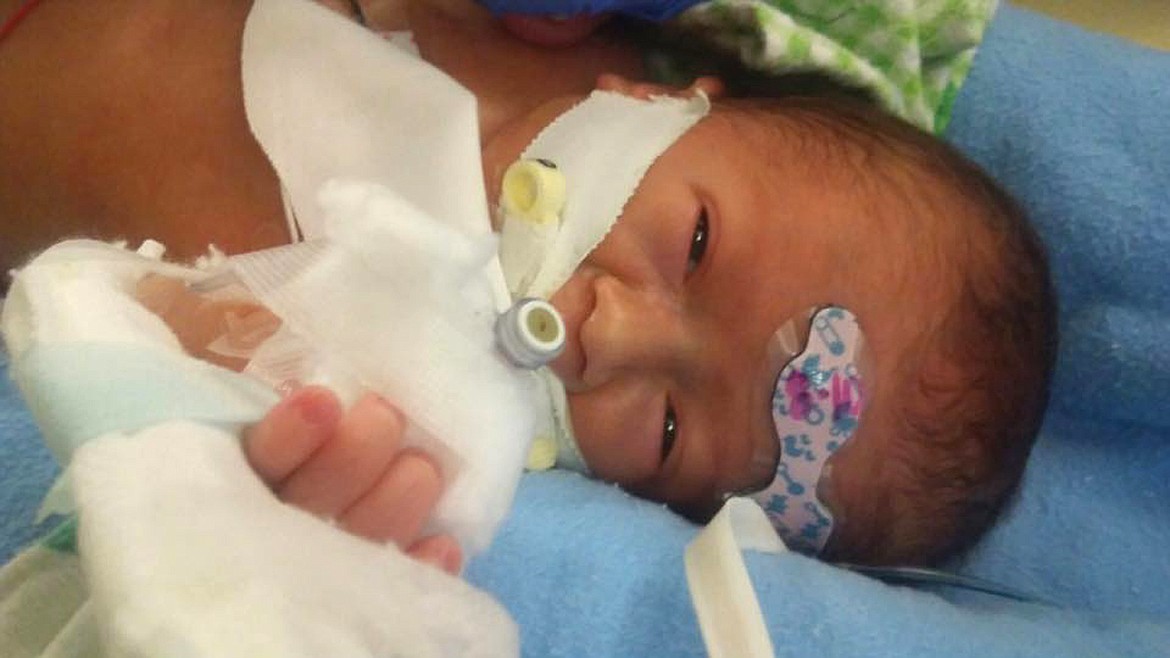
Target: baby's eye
[698,242]
[669,431]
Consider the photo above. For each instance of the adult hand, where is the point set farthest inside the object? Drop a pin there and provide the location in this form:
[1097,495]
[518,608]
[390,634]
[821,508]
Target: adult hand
[350,466]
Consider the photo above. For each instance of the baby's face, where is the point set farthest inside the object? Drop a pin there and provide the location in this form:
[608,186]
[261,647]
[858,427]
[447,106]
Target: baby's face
[736,228]
[669,320]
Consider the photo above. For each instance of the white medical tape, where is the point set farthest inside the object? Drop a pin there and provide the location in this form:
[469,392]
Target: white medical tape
[724,599]
[603,146]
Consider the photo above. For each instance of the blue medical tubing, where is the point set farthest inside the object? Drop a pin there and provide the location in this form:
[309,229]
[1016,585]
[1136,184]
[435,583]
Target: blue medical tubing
[651,10]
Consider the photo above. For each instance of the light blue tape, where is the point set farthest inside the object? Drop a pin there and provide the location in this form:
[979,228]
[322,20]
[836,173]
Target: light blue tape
[79,391]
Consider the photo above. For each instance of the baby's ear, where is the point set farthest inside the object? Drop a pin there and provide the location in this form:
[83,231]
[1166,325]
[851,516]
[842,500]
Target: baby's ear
[709,85]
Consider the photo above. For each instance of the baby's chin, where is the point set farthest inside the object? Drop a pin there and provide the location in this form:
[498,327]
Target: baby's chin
[550,32]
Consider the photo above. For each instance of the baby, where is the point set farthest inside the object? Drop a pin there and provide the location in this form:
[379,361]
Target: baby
[922,293]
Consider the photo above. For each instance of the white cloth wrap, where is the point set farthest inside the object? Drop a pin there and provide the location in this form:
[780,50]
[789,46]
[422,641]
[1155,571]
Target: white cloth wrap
[398,286]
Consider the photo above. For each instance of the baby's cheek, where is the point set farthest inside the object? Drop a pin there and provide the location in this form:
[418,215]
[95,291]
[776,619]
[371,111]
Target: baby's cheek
[614,435]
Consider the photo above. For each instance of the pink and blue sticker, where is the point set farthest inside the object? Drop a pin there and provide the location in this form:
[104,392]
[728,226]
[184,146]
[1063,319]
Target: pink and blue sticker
[816,406]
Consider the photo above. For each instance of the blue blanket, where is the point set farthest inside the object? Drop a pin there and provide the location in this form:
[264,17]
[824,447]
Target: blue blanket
[1076,124]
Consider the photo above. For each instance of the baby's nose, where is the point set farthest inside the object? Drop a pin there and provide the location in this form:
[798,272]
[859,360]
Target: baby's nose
[633,330]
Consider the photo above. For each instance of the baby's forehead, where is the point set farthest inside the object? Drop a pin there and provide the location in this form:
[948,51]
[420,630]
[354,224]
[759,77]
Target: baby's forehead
[828,136]
[898,184]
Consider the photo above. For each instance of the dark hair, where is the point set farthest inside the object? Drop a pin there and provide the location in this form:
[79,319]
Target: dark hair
[977,378]
[983,375]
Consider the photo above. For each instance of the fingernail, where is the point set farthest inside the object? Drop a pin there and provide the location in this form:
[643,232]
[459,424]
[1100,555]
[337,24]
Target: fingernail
[315,407]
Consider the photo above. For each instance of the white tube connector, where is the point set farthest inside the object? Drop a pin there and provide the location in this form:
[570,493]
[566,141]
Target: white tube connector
[531,333]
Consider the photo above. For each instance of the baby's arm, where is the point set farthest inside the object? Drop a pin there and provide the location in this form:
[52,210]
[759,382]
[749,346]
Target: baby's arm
[201,322]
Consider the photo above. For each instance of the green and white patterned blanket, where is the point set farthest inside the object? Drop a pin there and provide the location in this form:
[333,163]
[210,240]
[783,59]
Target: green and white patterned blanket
[912,55]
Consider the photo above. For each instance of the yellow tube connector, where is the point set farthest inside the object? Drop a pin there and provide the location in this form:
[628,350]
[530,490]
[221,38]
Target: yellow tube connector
[534,190]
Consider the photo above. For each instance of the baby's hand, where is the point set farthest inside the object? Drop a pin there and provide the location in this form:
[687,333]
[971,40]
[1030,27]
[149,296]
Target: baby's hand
[200,322]
[350,466]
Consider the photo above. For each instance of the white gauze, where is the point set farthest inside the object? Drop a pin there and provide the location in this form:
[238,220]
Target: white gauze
[603,146]
[397,289]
